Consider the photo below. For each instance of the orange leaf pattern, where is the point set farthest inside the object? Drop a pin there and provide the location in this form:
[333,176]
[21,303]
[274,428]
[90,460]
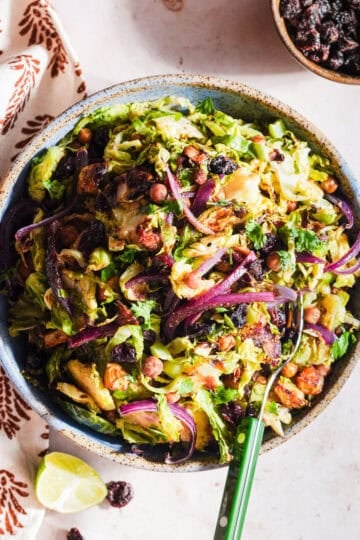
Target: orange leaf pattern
[12,408]
[38,22]
[32,128]
[10,491]
[28,66]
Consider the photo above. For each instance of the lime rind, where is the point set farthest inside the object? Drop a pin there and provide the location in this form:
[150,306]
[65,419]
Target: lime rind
[67,484]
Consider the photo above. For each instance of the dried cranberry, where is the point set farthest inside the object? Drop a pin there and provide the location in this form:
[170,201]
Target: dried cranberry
[256,270]
[232,412]
[65,167]
[222,165]
[270,243]
[99,140]
[94,236]
[149,336]
[336,60]
[343,18]
[198,330]
[278,317]
[74,534]
[81,159]
[162,262]
[328,32]
[290,8]
[123,353]
[238,316]
[252,410]
[119,493]
[355,4]
[276,155]
[347,44]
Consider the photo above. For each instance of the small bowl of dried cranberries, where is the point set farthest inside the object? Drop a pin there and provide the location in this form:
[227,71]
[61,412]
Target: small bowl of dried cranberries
[323,35]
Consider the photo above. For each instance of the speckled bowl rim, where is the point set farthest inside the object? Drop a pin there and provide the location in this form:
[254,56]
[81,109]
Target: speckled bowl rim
[130,88]
[301,58]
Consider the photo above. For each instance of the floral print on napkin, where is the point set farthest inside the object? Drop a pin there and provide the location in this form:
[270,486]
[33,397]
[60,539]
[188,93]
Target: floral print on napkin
[39,78]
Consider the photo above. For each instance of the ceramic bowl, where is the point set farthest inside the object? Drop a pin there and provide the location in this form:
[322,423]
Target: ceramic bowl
[334,76]
[235,99]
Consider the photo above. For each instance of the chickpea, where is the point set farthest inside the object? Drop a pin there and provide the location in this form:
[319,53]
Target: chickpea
[84,135]
[260,379]
[172,397]
[323,369]
[152,367]
[329,185]
[312,314]
[193,280]
[289,370]
[273,261]
[292,205]
[226,343]
[158,192]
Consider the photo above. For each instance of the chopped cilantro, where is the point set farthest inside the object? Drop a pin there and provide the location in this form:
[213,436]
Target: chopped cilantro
[143,309]
[272,407]
[255,234]
[304,239]
[108,272]
[206,106]
[127,256]
[224,395]
[286,260]
[342,344]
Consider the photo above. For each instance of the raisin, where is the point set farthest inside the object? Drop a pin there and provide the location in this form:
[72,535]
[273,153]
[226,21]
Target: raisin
[74,534]
[162,263]
[123,353]
[119,493]
[238,316]
[290,8]
[222,165]
[232,412]
[276,155]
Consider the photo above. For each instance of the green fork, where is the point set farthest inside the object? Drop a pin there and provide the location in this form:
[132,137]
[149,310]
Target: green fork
[247,445]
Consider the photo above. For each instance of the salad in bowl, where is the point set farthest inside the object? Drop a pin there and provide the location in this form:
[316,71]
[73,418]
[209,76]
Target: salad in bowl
[164,241]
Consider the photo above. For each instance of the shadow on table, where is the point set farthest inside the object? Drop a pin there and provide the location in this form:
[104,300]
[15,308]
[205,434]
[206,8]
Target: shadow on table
[214,36]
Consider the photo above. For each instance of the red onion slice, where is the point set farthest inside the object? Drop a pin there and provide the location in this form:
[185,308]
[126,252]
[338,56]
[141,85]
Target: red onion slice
[25,230]
[345,208]
[209,263]
[351,254]
[188,213]
[328,336]
[224,300]
[308,258]
[350,270]
[91,333]
[202,196]
[148,405]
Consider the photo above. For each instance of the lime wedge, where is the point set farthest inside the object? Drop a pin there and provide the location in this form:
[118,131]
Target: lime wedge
[67,484]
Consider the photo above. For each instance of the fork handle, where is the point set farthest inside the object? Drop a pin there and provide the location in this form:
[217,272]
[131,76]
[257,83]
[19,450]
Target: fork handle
[239,482]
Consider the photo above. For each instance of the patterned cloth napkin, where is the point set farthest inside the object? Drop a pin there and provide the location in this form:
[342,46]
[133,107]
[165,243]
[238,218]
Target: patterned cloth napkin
[39,78]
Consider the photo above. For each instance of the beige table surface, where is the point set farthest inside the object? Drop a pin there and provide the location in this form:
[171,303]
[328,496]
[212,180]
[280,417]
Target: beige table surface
[308,488]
